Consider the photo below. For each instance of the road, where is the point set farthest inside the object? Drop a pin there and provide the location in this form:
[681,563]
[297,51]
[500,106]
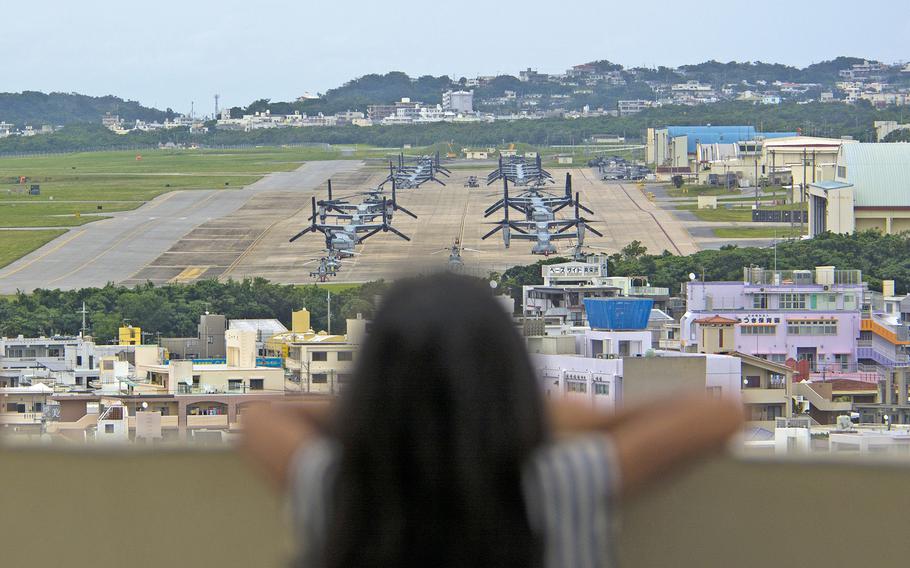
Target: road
[118,249]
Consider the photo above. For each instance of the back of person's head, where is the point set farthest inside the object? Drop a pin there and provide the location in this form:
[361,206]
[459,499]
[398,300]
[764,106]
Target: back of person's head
[440,417]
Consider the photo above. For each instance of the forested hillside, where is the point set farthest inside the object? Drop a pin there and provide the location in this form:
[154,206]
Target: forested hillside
[34,108]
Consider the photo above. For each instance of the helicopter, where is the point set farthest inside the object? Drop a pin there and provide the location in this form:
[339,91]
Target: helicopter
[455,260]
[326,269]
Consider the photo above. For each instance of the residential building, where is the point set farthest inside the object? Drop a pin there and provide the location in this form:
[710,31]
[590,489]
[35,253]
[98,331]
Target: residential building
[23,408]
[318,363]
[560,300]
[781,315]
[458,101]
[612,362]
[208,343]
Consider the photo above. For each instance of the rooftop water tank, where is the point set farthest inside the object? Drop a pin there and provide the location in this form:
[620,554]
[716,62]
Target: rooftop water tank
[618,313]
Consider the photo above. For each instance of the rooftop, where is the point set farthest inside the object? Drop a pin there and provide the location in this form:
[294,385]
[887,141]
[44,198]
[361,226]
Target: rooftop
[880,173]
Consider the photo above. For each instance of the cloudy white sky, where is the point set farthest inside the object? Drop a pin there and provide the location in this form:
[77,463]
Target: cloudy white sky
[170,52]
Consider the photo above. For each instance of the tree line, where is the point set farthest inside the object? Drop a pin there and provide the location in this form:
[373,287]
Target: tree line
[879,257]
[173,310]
[817,119]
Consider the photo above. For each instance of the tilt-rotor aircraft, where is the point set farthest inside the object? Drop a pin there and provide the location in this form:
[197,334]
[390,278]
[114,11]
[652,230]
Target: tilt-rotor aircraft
[342,237]
[520,171]
[414,172]
[543,230]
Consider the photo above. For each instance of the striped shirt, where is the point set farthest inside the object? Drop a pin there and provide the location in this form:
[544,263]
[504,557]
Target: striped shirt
[568,488]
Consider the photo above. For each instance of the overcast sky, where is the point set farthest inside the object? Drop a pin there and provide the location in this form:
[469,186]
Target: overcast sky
[170,52]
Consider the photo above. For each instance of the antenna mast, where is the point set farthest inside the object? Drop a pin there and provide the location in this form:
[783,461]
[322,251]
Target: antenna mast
[217,96]
[83,311]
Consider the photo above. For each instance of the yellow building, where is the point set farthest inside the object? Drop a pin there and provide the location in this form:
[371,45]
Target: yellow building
[130,335]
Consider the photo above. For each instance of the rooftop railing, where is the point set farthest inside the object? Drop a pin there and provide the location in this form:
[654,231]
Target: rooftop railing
[765,277]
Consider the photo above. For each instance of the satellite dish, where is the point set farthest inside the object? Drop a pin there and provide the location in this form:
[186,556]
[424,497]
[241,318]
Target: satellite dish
[494,284]
[145,405]
[692,276]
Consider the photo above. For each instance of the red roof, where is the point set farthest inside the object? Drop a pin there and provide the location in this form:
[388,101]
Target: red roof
[851,385]
[716,320]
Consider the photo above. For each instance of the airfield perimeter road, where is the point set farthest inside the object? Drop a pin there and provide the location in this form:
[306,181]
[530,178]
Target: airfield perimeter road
[116,249]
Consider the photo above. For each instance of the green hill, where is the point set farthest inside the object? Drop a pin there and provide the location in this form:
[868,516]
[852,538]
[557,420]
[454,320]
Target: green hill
[36,108]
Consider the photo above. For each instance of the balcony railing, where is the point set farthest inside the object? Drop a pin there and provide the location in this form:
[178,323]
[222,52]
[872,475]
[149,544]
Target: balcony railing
[220,499]
[648,291]
[21,418]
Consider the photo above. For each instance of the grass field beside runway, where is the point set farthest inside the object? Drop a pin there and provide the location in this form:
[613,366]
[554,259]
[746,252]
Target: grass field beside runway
[14,244]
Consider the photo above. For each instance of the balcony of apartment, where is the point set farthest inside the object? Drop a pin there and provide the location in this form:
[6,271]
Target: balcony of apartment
[711,515]
[206,421]
[649,291]
[168,422]
[775,395]
[21,418]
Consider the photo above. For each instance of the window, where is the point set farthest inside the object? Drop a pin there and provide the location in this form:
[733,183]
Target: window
[752,382]
[576,387]
[257,384]
[758,329]
[812,327]
[602,388]
[78,360]
[108,428]
[713,392]
[793,301]
[345,355]
[235,384]
[39,407]
[320,378]
[760,301]
[720,337]
[842,360]
[777,381]
[320,356]
[849,302]
[344,377]
[842,172]
[777,357]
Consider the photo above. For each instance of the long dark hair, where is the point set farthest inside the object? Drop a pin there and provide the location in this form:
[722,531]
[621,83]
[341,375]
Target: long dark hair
[442,413]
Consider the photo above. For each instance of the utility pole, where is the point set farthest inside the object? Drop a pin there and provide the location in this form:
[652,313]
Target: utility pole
[802,192]
[217,96]
[328,297]
[83,311]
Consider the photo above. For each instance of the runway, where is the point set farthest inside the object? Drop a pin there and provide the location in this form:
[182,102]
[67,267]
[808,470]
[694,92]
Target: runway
[118,249]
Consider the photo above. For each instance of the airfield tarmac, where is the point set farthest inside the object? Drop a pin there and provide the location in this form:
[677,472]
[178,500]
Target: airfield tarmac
[621,212]
[186,236]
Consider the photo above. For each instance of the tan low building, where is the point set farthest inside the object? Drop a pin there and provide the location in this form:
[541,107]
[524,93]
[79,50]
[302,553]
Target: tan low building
[319,363]
[870,190]
[22,409]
